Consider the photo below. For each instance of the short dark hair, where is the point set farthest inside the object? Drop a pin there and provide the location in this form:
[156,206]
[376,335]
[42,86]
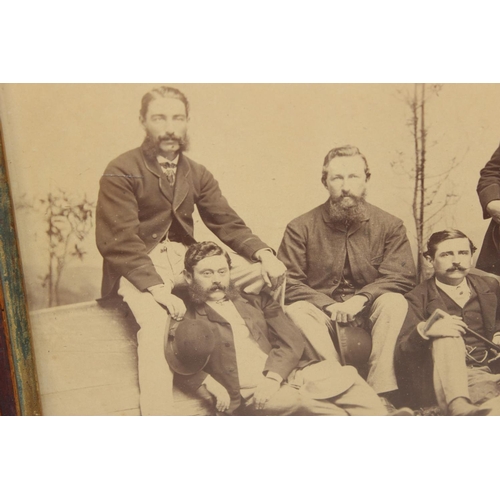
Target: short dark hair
[159,92]
[343,151]
[202,250]
[446,234]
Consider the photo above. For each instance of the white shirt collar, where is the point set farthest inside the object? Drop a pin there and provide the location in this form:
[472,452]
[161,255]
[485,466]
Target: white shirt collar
[452,288]
[460,293]
[162,159]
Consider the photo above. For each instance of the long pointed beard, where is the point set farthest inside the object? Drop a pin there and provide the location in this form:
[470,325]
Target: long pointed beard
[348,214]
[199,295]
[151,145]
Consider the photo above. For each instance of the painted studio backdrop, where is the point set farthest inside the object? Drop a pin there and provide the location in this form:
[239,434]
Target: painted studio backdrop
[265,145]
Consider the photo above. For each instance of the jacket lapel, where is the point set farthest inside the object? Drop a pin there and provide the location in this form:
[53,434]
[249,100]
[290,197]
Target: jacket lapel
[156,170]
[205,311]
[245,310]
[487,301]
[181,187]
[435,301]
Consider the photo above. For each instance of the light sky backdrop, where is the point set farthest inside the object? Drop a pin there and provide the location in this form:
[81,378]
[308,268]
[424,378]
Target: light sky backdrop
[264,143]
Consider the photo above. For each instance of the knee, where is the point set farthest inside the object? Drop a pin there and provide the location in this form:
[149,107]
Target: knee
[448,344]
[156,316]
[391,303]
[305,315]
[154,324]
[391,299]
[301,308]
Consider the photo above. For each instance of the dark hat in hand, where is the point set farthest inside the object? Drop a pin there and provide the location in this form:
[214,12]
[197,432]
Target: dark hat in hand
[353,343]
[188,346]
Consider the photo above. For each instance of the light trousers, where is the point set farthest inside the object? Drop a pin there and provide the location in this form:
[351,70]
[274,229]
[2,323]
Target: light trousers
[155,377]
[454,379]
[312,390]
[385,317]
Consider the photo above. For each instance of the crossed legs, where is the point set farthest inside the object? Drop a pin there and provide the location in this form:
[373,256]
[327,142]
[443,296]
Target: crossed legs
[454,380]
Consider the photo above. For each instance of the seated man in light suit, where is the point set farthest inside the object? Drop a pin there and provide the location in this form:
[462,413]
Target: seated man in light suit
[438,358]
[254,359]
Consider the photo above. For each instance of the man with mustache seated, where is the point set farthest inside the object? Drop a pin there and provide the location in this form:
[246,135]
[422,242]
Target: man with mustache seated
[144,222]
[437,359]
[253,357]
[349,261]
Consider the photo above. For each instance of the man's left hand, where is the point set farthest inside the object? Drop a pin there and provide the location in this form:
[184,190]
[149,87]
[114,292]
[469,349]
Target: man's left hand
[273,270]
[493,208]
[265,390]
[345,312]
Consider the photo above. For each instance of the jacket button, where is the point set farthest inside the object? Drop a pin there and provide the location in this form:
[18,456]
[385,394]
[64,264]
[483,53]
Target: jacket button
[227,344]
[155,235]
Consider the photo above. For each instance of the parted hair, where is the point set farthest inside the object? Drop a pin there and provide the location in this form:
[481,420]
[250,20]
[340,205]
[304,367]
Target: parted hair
[202,250]
[343,151]
[446,234]
[163,91]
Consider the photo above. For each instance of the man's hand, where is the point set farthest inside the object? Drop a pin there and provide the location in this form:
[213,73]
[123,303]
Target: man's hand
[496,338]
[449,326]
[273,270]
[219,392]
[171,302]
[493,208]
[345,312]
[267,388]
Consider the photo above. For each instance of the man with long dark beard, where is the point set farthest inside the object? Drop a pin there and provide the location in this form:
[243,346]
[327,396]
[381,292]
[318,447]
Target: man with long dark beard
[144,223]
[253,358]
[350,262]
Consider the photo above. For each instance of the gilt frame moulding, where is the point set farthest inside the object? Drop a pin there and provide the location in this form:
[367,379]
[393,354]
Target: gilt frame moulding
[18,377]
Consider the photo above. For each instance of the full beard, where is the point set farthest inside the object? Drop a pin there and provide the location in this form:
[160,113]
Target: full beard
[151,145]
[348,214]
[200,295]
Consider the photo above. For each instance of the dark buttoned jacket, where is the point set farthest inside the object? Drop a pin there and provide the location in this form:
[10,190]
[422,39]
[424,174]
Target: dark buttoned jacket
[314,249]
[488,189]
[136,208]
[413,355]
[272,330]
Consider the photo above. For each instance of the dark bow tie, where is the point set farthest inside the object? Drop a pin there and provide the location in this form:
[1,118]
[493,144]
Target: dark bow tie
[170,169]
[167,164]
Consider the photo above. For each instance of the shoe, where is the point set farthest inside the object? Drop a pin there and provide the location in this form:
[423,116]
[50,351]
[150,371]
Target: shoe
[387,405]
[392,411]
[429,411]
[461,407]
[402,412]
[474,412]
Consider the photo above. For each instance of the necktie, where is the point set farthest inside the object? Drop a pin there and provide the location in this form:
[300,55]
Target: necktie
[169,169]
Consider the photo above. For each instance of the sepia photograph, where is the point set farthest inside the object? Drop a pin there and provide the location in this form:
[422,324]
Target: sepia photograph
[248,209]
[259,249]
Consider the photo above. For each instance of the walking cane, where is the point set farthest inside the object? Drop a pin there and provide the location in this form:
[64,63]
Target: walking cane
[440,314]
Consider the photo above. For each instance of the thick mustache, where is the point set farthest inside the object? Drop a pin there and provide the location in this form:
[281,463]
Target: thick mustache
[342,197]
[170,137]
[216,287]
[456,268]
